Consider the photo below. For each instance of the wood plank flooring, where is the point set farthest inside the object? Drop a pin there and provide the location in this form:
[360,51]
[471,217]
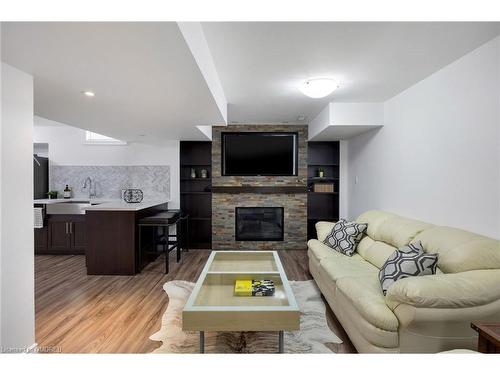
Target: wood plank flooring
[117,314]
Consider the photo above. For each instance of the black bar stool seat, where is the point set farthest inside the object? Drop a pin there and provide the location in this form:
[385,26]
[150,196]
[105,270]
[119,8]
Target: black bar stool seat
[166,219]
[161,218]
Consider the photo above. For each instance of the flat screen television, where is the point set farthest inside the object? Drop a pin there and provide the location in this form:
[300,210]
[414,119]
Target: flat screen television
[259,154]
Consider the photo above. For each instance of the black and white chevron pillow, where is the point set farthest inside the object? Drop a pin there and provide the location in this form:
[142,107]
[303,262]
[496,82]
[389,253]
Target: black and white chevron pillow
[409,260]
[345,236]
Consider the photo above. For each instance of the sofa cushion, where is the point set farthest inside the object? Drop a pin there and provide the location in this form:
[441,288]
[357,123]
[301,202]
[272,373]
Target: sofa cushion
[323,228]
[375,219]
[320,251]
[460,250]
[375,252]
[453,290]
[335,268]
[366,296]
[399,231]
[409,260]
[345,236]
[392,229]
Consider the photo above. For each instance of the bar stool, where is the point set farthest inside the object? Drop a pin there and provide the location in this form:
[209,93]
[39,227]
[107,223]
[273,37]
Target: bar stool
[169,242]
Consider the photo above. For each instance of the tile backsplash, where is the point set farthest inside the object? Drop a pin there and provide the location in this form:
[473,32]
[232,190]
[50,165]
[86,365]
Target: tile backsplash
[154,180]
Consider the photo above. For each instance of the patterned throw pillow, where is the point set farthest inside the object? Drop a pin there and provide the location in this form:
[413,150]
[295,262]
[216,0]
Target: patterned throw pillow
[345,236]
[409,260]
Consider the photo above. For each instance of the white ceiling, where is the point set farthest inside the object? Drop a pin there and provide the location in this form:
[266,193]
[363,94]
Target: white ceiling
[148,82]
[144,76]
[261,64]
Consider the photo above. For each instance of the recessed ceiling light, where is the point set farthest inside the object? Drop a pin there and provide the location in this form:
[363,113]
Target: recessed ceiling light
[90,94]
[301,118]
[318,87]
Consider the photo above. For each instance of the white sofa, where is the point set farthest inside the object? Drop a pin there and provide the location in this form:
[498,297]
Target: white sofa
[418,314]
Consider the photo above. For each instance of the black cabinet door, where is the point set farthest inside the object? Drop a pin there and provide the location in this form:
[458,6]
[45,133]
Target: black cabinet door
[78,237]
[41,240]
[59,238]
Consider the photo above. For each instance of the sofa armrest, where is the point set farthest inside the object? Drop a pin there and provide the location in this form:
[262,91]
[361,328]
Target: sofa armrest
[457,290]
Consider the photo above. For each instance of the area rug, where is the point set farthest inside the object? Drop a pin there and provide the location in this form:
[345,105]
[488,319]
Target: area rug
[314,336]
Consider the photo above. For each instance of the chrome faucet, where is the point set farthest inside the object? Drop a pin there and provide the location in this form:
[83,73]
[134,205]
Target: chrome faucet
[91,187]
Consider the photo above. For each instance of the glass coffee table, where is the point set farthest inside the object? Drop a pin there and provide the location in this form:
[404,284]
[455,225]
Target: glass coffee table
[213,306]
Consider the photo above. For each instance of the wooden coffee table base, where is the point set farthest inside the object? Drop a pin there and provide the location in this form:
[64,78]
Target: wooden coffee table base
[281,342]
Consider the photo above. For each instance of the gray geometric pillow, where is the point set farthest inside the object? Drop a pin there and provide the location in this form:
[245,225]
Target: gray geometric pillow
[345,236]
[410,260]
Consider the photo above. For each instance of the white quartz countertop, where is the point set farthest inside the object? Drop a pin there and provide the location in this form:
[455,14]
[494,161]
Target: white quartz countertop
[106,204]
[61,200]
[120,205]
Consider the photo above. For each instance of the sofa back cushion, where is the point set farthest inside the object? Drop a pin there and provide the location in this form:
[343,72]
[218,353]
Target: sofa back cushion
[323,229]
[375,252]
[375,220]
[385,234]
[392,229]
[460,250]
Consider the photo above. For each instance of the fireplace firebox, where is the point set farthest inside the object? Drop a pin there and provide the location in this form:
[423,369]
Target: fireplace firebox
[259,223]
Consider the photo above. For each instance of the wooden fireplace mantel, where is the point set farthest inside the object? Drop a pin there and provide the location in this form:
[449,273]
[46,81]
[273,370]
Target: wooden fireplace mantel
[259,189]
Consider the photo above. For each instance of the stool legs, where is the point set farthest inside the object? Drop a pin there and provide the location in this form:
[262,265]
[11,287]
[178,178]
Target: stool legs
[178,239]
[165,250]
[139,252]
[187,234]
[179,242]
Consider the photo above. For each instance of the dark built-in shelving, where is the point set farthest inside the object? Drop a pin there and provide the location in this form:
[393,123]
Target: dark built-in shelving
[196,193]
[322,206]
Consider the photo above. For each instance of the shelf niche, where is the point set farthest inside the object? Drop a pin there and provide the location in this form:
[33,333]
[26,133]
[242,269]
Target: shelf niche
[322,206]
[196,196]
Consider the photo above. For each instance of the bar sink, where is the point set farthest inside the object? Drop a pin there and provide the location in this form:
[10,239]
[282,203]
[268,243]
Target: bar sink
[69,208]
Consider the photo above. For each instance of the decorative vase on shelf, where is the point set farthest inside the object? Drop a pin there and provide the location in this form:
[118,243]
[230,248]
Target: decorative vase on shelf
[193,173]
[321,173]
[204,173]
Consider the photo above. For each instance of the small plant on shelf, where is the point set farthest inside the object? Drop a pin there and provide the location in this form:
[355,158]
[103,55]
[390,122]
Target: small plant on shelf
[321,172]
[52,194]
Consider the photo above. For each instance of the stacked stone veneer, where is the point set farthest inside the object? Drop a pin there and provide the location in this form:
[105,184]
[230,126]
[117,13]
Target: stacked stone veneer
[223,204]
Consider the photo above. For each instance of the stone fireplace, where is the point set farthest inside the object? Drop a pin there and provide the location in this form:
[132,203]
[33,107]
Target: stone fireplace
[259,223]
[281,219]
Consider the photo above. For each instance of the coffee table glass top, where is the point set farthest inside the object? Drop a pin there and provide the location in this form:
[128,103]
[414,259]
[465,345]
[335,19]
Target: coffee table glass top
[212,305]
[244,261]
[215,287]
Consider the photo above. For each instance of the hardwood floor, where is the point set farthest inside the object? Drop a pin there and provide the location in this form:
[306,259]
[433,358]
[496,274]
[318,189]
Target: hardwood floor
[117,314]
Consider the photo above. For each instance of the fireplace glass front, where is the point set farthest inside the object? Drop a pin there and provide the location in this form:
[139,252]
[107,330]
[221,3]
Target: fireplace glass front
[259,223]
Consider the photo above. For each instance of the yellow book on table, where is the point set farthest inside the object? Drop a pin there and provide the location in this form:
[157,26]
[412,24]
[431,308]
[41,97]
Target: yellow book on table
[243,288]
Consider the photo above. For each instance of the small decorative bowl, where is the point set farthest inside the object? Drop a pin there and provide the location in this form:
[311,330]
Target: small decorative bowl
[133,196]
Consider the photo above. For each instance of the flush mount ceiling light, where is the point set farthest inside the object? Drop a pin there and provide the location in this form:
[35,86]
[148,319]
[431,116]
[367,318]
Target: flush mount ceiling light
[90,94]
[318,87]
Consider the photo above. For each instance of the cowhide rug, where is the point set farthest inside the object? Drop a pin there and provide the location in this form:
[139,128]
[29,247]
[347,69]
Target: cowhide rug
[314,336]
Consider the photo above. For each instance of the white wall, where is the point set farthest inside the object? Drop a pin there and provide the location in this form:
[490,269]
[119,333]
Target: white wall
[437,157]
[319,123]
[346,115]
[17,258]
[66,147]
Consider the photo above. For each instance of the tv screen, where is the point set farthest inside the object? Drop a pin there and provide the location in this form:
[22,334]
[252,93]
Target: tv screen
[259,154]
